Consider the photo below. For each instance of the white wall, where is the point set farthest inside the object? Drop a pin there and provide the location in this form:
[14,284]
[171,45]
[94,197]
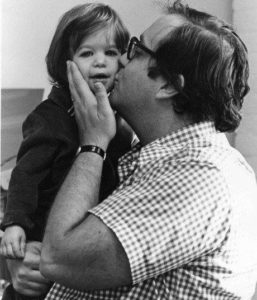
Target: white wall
[28,26]
[245,21]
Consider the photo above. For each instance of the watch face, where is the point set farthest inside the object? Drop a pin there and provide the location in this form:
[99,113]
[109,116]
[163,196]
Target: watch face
[93,149]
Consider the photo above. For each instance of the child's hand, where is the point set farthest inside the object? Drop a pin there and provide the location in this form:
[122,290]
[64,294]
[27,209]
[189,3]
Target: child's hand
[13,242]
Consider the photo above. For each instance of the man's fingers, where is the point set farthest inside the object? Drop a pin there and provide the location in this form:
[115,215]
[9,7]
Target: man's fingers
[10,251]
[100,90]
[33,261]
[73,90]
[16,249]
[37,277]
[22,245]
[32,293]
[102,98]
[79,86]
[34,285]
[3,250]
[34,247]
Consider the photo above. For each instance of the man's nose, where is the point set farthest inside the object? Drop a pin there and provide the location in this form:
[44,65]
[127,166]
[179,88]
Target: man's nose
[123,60]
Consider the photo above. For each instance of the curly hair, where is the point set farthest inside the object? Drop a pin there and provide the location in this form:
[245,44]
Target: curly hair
[79,22]
[213,61]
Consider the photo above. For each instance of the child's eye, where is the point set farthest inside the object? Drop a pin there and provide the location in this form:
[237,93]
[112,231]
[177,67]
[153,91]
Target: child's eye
[112,52]
[86,53]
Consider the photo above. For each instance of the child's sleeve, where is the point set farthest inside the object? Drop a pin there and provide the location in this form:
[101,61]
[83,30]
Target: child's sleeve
[34,161]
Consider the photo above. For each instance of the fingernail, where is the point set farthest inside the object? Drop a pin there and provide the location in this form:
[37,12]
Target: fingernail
[98,85]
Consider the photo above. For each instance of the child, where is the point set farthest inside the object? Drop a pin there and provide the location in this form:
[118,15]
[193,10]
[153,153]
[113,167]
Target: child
[94,37]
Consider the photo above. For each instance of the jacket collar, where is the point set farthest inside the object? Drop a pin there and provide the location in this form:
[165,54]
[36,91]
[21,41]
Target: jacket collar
[61,97]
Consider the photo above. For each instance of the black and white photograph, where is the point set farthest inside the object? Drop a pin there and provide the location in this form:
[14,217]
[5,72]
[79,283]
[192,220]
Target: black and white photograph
[128,150]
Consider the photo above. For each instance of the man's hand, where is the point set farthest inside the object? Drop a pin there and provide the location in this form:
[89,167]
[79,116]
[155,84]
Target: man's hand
[94,116]
[25,274]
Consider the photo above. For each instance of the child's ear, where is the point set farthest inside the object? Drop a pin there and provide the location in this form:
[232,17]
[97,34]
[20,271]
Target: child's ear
[167,90]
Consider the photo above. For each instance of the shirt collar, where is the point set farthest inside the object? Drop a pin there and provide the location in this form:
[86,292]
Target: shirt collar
[194,133]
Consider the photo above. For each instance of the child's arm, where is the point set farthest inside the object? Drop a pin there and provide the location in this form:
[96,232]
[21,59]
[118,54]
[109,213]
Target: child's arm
[13,242]
[36,157]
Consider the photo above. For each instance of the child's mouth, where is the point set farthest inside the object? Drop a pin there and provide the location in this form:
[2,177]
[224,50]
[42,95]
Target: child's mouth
[99,77]
[103,78]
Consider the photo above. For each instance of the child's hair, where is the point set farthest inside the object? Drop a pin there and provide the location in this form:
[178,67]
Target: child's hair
[76,24]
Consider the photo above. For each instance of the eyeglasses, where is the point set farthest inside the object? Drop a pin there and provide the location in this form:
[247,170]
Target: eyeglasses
[133,45]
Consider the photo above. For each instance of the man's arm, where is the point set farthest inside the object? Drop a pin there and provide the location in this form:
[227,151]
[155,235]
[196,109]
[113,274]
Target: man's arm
[79,250]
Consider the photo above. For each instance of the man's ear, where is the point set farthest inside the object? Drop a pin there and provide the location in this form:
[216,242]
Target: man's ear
[167,90]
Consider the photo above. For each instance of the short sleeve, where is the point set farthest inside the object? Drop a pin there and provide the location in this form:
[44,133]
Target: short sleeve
[168,217]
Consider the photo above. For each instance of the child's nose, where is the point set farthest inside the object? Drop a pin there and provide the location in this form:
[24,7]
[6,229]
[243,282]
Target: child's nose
[100,59]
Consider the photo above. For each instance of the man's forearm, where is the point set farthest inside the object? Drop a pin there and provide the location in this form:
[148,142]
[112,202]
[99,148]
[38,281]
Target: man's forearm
[79,251]
[76,196]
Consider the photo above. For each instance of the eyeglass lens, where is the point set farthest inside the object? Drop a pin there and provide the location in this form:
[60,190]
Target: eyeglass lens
[131,50]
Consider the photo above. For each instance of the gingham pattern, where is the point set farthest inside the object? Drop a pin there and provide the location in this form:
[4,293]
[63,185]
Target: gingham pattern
[177,215]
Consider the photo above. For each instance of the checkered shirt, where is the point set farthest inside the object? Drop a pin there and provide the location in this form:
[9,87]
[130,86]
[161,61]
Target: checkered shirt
[185,213]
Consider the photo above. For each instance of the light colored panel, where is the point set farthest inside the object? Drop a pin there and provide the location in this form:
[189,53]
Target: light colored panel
[16,104]
[219,8]
[245,21]
[249,22]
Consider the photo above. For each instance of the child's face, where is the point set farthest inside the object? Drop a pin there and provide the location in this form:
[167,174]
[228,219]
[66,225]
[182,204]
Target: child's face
[97,58]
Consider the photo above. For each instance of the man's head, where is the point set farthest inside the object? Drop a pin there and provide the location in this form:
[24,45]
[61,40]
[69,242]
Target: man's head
[203,59]
[136,91]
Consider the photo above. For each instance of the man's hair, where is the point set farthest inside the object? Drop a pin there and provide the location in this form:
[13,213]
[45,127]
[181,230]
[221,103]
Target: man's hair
[213,61]
[76,24]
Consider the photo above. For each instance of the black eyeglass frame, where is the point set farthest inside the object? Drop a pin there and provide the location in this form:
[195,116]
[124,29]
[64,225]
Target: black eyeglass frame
[134,42]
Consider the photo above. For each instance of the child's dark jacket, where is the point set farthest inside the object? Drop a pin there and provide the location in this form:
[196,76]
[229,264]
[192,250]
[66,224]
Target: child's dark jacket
[50,143]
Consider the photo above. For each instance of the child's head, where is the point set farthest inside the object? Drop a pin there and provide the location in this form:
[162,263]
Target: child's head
[94,37]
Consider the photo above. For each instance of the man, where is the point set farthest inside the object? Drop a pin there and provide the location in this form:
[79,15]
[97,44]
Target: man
[181,224]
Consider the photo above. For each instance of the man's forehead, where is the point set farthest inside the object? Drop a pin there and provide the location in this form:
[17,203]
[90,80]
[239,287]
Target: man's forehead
[160,29]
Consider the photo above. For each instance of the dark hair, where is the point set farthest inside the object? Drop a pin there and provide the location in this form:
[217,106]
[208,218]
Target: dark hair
[76,24]
[213,61]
